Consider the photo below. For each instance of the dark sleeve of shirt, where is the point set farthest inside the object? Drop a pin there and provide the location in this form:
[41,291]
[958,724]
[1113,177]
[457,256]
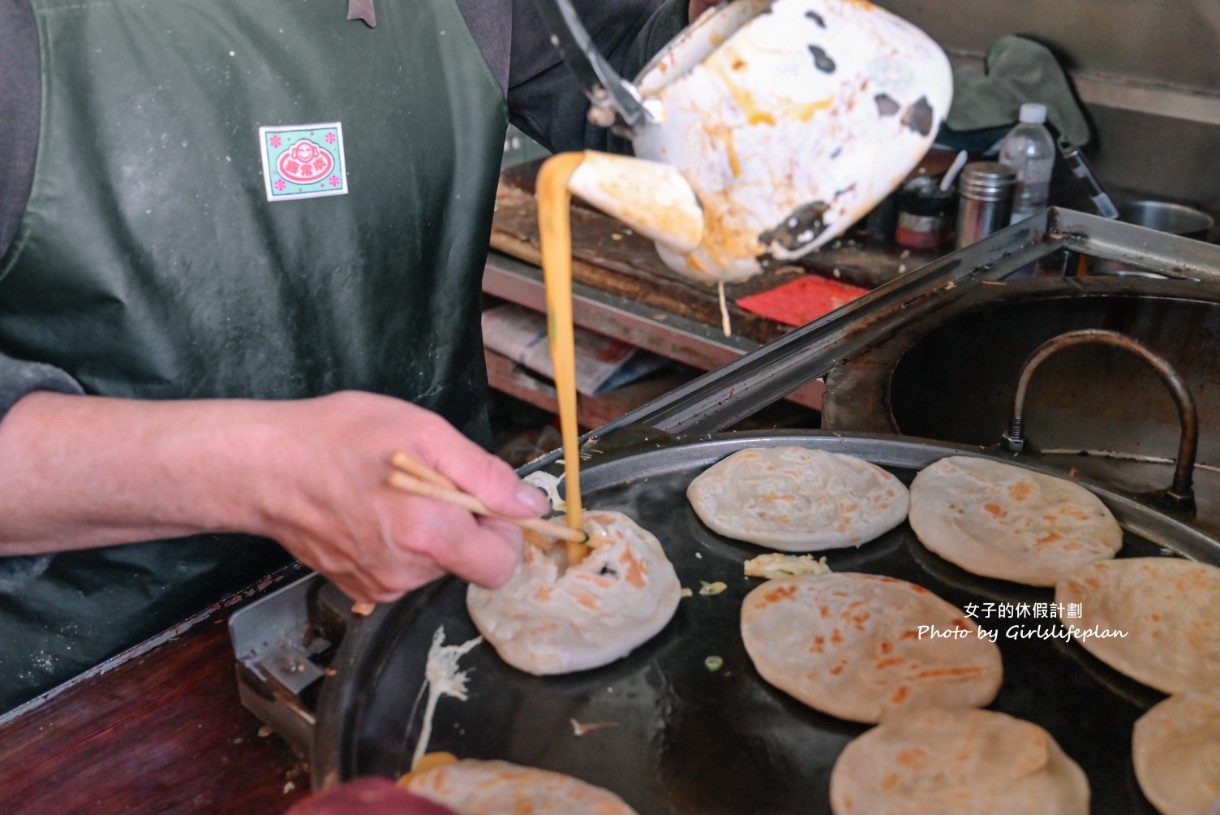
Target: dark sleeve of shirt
[544,99]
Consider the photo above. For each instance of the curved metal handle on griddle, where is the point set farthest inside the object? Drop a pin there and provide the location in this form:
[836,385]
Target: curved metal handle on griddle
[1180,494]
[607,91]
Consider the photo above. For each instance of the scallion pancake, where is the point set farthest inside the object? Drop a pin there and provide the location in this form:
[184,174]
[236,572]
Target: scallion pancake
[798,500]
[957,762]
[1176,751]
[1155,619]
[499,788]
[999,520]
[551,619]
[866,647]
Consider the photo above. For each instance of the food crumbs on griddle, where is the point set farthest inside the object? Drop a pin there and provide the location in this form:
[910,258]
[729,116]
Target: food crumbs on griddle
[580,729]
[709,589]
[714,663]
[265,731]
[1073,473]
[776,564]
[686,592]
[442,678]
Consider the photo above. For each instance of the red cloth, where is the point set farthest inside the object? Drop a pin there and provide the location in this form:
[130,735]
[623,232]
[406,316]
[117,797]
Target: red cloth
[801,300]
[369,795]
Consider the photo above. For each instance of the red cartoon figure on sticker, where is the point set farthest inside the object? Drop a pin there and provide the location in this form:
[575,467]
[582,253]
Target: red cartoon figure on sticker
[305,162]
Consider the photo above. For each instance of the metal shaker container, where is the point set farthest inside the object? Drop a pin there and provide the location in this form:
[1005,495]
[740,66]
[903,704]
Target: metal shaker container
[985,196]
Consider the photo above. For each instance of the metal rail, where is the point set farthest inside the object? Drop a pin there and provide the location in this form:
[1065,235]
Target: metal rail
[739,389]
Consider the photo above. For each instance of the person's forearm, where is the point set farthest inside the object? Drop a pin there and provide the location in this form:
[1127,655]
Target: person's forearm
[82,471]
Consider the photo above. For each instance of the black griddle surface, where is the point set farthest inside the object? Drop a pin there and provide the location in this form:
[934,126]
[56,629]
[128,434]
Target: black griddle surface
[671,736]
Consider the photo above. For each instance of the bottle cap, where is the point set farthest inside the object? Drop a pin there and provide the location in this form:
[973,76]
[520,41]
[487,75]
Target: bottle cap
[1033,113]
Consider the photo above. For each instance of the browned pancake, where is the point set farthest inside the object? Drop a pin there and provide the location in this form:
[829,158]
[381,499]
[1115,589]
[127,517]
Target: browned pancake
[957,762]
[866,647]
[798,500]
[550,620]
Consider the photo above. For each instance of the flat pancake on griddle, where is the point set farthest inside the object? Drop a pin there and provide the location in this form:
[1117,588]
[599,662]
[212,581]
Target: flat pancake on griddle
[499,788]
[1155,619]
[550,620]
[1176,751]
[957,762]
[866,647]
[798,500]
[1000,520]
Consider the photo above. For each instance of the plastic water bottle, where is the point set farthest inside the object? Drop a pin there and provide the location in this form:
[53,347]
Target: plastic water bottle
[1029,149]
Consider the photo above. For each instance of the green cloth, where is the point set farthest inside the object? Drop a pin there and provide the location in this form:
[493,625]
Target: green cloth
[1018,70]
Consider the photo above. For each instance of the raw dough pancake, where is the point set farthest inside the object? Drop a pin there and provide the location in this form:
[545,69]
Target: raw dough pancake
[957,762]
[622,594]
[867,647]
[1000,520]
[1176,751]
[798,500]
[1168,608]
[499,788]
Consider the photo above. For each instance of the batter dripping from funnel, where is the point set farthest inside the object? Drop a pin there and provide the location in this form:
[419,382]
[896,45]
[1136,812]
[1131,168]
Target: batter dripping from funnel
[599,600]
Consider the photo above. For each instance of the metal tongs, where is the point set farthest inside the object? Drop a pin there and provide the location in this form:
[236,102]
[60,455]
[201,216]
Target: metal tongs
[613,98]
[1080,168]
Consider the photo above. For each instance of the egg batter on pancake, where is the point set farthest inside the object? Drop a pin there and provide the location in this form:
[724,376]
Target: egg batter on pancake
[866,647]
[798,500]
[548,619]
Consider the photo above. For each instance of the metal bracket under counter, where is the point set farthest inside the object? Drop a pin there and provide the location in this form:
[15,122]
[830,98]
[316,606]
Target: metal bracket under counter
[282,651]
[671,335]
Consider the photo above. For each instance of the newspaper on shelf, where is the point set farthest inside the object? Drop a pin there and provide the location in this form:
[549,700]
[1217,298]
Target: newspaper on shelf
[602,363]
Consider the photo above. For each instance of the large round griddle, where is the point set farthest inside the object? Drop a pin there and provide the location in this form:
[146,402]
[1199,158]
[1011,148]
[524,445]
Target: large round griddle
[671,736]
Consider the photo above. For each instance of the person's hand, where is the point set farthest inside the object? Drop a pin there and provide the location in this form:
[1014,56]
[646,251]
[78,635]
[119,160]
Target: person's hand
[83,471]
[332,508]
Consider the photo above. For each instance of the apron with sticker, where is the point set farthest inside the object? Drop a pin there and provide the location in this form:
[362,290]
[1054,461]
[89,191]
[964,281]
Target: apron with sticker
[241,198]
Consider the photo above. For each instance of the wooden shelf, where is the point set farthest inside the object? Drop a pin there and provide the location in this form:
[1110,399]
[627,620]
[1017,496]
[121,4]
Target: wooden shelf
[508,377]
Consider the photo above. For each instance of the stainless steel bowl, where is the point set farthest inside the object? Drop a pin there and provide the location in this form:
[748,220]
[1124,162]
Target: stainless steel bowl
[1163,216]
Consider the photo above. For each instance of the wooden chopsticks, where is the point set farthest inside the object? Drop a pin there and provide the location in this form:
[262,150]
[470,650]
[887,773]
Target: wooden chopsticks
[412,475]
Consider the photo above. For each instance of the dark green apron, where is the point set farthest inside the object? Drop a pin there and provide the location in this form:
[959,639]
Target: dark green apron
[151,264]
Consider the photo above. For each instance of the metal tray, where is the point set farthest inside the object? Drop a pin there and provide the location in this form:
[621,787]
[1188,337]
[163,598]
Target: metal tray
[671,736]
